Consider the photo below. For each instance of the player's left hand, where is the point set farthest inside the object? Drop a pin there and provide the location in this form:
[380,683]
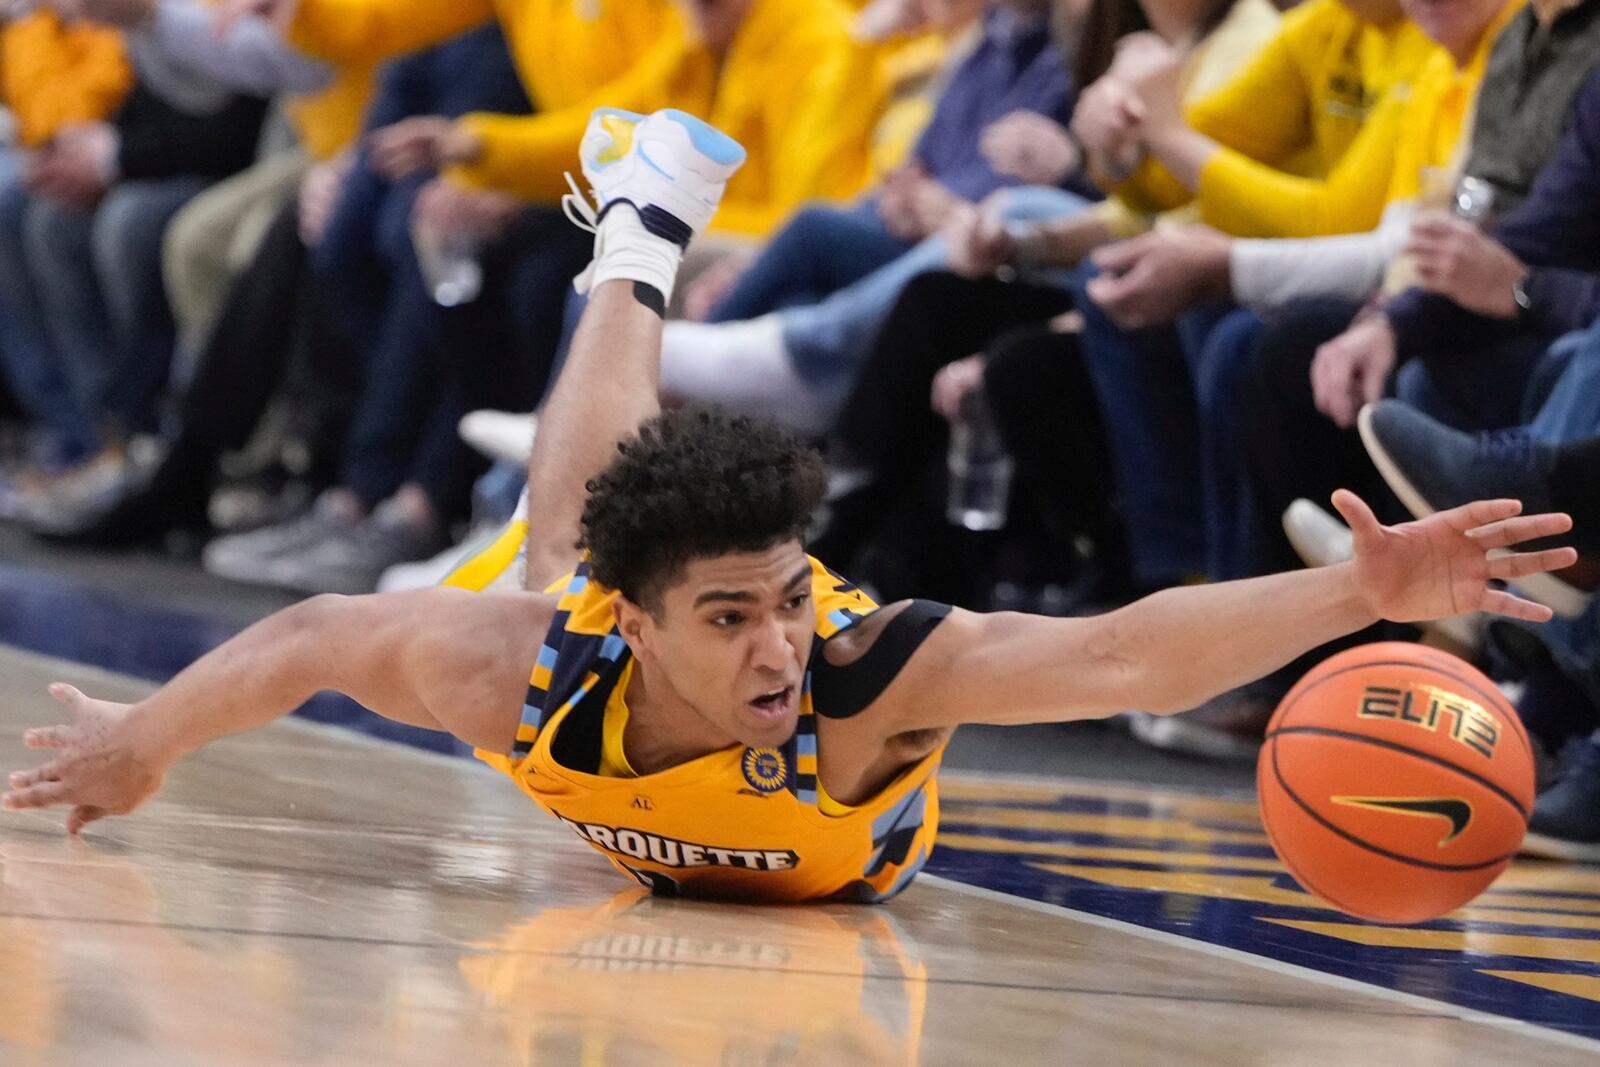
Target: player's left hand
[105,762]
[1442,565]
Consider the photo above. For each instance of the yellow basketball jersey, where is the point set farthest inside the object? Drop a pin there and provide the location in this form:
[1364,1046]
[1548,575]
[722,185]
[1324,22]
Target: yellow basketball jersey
[738,823]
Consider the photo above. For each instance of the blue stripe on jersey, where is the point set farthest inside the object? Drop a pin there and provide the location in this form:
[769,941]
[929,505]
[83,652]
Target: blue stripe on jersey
[547,657]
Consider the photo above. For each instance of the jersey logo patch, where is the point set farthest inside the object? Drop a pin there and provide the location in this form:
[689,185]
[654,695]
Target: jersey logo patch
[765,769]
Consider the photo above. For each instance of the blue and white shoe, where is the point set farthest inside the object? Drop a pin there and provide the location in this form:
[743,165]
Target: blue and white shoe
[670,167]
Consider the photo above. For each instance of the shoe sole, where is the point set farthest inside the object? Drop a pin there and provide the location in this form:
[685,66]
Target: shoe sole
[1547,589]
[1542,846]
[485,436]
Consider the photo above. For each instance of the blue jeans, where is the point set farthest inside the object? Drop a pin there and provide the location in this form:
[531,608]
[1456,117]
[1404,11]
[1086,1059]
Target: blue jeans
[1570,409]
[1146,394]
[1217,351]
[830,339]
[32,365]
[818,252]
[98,279]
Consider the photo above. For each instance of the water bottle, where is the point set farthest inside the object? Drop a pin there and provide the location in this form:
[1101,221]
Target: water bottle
[980,468]
[450,266]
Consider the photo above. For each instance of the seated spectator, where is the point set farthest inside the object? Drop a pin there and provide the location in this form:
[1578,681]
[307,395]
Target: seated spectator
[99,197]
[54,75]
[798,363]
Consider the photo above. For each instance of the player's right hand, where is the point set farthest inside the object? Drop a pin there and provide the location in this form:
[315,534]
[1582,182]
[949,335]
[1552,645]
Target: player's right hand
[104,764]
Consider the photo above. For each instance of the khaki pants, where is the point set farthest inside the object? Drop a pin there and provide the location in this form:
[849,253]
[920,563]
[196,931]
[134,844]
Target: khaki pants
[215,236]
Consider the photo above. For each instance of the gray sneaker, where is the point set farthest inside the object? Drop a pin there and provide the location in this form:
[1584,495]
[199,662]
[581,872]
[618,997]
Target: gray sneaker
[355,558]
[247,557]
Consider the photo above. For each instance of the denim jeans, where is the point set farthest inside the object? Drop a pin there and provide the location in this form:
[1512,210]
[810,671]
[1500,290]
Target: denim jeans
[831,338]
[32,365]
[818,252]
[98,279]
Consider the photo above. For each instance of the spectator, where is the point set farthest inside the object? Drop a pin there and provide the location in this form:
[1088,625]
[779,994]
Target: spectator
[54,75]
[809,355]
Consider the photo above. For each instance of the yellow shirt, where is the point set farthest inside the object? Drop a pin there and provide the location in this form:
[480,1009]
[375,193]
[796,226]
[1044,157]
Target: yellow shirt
[1415,126]
[739,823]
[1249,25]
[794,89]
[53,74]
[568,56]
[1302,101]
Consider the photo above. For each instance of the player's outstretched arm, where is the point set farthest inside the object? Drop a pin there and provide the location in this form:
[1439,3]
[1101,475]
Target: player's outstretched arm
[609,385]
[443,659]
[1174,650]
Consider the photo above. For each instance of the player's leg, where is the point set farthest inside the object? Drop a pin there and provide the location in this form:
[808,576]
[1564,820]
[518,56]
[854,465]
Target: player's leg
[657,181]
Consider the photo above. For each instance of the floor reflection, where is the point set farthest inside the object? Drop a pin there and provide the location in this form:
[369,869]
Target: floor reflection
[827,986]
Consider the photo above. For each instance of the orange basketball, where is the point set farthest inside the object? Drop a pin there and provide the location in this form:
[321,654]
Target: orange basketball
[1395,782]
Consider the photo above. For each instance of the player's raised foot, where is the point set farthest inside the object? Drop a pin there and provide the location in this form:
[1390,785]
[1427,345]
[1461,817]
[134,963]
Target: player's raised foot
[1566,817]
[1432,467]
[669,166]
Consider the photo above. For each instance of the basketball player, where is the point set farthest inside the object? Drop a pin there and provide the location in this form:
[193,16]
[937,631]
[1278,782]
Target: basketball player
[716,712]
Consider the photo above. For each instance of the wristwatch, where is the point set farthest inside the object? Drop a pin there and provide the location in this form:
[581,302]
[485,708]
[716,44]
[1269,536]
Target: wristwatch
[1519,294]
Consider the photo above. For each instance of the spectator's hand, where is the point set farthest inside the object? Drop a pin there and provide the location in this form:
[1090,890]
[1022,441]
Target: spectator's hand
[1108,121]
[1443,565]
[77,167]
[1350,371]
[232,12]
[1153,70]
[123,14]
[977,241]
[1030,147]
[914,206]
[955,382]
[443,209]
[319,191]
[1459,261]
[714,283]
[421,145]
[1152,279]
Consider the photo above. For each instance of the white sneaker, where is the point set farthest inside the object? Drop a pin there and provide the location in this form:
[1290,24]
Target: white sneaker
[1321,539]
[670,167]
[499,435]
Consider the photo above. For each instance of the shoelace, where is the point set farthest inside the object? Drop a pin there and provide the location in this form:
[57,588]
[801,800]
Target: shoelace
[576,207]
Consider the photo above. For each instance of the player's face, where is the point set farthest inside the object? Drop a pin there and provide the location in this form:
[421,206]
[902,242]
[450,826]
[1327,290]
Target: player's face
[733,637]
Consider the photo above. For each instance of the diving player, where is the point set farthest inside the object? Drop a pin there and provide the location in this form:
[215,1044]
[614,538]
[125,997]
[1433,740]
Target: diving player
[710,708]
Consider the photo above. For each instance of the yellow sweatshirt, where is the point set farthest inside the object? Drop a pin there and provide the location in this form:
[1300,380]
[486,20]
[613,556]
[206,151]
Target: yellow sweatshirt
[1300,104]
[794,89]
[563,49]
[1416,125]
[53,74]
[1246,29]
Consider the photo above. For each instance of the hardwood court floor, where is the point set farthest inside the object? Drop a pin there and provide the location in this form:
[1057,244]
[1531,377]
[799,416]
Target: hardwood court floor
[302,895]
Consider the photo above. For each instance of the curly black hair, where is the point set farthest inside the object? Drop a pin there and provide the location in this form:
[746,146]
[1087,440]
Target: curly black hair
[695,483]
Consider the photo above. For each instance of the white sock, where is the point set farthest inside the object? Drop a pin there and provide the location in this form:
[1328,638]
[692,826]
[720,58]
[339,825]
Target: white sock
[624,250]
[744,367]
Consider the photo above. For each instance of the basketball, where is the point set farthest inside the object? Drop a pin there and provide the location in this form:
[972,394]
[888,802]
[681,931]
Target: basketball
[1395,782]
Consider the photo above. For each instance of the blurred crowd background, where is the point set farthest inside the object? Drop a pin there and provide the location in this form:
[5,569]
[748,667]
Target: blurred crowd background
[1081,299]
